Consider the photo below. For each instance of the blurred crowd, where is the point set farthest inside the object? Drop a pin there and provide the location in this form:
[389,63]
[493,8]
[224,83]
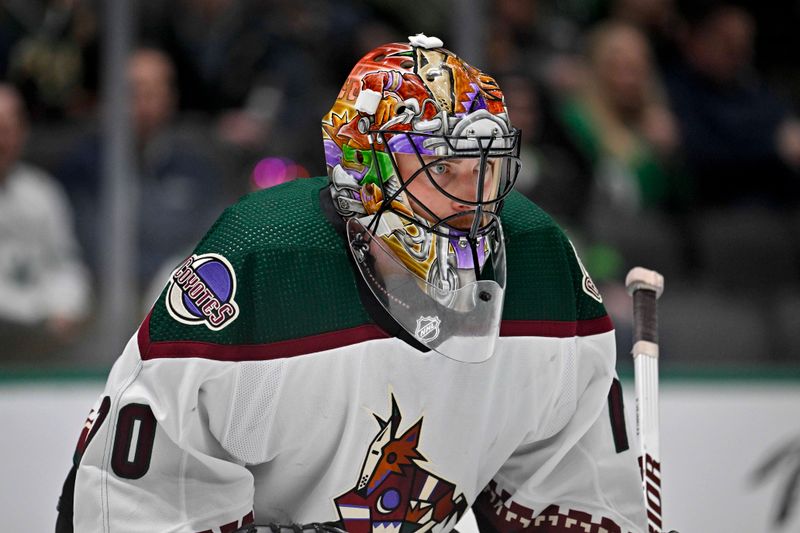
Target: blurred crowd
[660,133]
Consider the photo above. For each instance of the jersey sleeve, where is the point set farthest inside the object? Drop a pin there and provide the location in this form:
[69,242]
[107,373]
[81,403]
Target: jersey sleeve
[584,475]
[189,405]
[157,454]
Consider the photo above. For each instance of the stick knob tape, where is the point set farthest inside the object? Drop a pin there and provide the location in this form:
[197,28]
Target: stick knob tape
[645,286]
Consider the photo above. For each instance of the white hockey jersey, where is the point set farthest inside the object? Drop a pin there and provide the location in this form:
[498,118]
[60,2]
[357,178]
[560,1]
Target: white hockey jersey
[260,389]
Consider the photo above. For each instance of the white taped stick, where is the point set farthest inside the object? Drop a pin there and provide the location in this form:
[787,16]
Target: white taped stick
[645,286]
[642,278]
[647,348]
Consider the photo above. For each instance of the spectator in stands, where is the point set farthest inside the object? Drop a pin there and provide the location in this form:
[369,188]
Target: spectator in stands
[11,31]
[658,20]
[54,61]
[218,47]
[253,63]
[526,37]
[554,174]
[742,142]
[622,124]
[178,179]
[44,286]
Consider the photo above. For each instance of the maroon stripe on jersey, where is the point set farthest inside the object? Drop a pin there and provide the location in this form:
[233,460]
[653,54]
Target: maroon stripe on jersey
[346,337]
[143,335]
[495,514]
[255,352]
[229,528]
[555,328]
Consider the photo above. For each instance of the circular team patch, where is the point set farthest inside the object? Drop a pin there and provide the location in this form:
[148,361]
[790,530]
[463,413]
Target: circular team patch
[201,291]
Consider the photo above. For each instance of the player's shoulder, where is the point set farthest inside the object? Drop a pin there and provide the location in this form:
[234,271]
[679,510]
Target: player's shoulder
[546,278]
[520,215]
[287,215]
[270,272]
[532,236]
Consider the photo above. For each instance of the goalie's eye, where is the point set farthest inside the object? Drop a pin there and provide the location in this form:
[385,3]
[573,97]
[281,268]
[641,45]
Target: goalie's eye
[443,173]
[440,169]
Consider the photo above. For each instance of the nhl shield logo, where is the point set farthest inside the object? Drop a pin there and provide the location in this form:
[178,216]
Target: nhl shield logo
[201,291]
[427,328]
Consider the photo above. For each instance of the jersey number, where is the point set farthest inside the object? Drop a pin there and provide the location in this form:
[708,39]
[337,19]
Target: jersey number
[133,441]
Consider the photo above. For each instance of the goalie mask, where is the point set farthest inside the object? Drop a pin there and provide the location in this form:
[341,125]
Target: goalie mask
[421,154]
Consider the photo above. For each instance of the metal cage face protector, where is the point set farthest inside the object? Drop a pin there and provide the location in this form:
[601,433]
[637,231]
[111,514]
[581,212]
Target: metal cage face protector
[492,162]
[449,296]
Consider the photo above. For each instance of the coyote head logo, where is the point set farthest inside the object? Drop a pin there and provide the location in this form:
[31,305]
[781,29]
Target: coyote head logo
[394,494]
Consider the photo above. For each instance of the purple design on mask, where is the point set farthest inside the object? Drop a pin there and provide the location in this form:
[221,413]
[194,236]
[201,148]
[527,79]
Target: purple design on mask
[472,96]
[464,255]
[402,144]
[333,154]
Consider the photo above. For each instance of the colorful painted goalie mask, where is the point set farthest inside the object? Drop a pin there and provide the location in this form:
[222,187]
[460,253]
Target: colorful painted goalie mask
[421,154]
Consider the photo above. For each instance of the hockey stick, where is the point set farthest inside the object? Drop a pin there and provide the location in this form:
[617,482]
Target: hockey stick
[645,286]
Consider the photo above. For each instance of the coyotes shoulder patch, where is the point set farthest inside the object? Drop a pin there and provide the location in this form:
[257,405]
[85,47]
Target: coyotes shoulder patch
[202,290]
